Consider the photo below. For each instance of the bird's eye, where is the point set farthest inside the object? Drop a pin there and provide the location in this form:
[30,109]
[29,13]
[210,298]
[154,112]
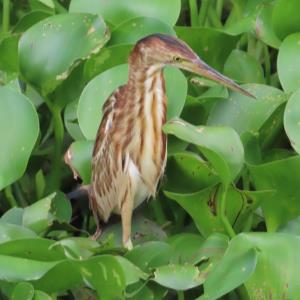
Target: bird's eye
[177,59]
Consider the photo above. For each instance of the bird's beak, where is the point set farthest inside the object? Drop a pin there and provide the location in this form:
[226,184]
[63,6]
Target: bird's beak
[201,68]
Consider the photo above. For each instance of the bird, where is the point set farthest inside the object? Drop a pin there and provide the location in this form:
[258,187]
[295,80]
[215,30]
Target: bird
[130,150]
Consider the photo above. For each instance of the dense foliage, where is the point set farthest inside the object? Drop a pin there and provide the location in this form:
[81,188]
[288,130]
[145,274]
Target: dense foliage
[225,224]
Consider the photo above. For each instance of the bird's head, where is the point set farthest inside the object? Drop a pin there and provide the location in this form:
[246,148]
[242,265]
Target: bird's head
[161,49]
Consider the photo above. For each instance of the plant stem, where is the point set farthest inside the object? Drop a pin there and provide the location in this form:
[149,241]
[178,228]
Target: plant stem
[213,17]
[242,292]
[238,7]
[203,12]
[10,197]
[158,212]
[193,12]
[55,175]
[219,8]
[222,212]
[5,16]
[267,64]
[19,194]
[180,295]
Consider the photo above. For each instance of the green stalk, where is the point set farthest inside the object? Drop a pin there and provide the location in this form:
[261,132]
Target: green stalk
[238,8]
[19,194]
[180,295]
[5,16]
[56,168]
[267,64]
[158,212]
[10,197]
[219,8]
[203,12]
[213,17]
[222,212]
[193,12]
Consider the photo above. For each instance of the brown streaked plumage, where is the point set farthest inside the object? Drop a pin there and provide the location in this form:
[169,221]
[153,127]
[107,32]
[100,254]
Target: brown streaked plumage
[129,155]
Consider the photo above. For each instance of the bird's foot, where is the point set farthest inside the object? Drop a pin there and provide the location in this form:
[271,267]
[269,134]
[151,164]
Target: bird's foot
[97,234]
[128,244]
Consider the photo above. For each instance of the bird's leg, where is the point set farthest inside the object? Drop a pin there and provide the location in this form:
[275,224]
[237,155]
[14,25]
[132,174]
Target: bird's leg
[93,207]
[126,215]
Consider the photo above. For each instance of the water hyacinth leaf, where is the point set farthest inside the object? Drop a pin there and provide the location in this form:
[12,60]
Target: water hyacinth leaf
[212,45]
[116,11]
[14,269]
[206,201]
[283,273]
[292,120]
[196,173]
[179,277]
[13,216]
[100,88]
[104,274]
[237,265]
[221,146]
[79,157]
[9,232]
[29,20]
[133,30]
[186,247]
[243,67]
[23,290]
[288,63]
[107,58]
[40,295]
[19,127]
[150,255]
[71,122]
[9,54]
[263,26]
[283,205]
[286,19]
[244,114]
[42,213]
[39,46]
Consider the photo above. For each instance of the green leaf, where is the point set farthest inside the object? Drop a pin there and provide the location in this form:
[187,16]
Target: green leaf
[9,54]
[186,247]
[282,176]
[10,232]
[13,216]
[107,58]
[40,295]
[286,19]
[212,45]
[221,146]
[194,171]
[79,158]
[288,63]
[83,33]
[19,127]
[243,67]
[100,88]
[14,269]
[179,277]
[206,202]
[24,291]
[133,30]
[292,120]
[105,274]
[71,122]
[237,265]
[150,255]
[244,114]
[30,19]
[42,213]
[118,11]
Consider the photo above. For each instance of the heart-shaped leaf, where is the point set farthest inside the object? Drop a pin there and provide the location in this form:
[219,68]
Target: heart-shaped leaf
[221,146]
[118,11]
[19,127]
[83,34]
[288,62]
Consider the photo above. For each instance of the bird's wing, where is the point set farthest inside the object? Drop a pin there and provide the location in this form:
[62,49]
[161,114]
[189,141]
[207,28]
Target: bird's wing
[108,164]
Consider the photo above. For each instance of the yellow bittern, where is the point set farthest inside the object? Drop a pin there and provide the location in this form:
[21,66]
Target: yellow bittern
[129,155]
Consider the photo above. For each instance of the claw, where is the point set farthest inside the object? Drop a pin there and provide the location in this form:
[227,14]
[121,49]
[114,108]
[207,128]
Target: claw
[128,244]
